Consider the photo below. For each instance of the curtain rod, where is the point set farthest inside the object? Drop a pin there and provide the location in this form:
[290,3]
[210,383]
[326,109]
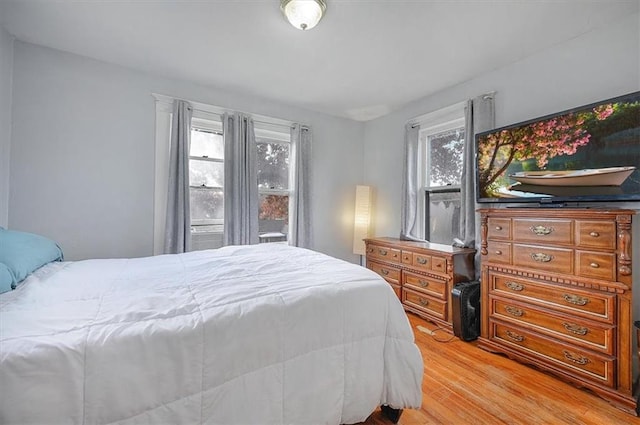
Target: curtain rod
[213,109]
[485,96]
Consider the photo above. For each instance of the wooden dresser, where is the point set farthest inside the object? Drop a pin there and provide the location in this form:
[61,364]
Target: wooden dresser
[422,274]
[556,292]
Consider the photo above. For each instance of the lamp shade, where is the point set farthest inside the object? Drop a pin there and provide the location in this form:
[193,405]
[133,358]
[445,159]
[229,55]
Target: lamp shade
[303,14]
[362,218]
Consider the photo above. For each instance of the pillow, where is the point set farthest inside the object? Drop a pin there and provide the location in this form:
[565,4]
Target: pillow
[24,252]
[6,278]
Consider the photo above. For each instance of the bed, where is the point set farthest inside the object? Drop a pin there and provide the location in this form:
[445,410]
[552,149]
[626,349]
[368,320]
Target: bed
[261,334]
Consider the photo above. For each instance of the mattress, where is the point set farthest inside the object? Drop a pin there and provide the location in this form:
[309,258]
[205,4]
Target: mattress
[261,334]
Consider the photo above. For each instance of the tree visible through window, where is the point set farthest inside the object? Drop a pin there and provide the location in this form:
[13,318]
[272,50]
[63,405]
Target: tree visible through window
[206,180]
[273,187]
[444,152]
[442,147]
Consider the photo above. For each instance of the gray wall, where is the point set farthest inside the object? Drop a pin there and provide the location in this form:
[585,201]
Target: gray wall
[82,160]
[595,66]
[6,73]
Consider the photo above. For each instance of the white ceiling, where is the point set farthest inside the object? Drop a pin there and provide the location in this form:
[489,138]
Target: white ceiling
[363,60]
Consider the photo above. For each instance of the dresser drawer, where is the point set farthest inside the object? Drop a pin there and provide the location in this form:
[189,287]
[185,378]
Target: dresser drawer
[599,265]
[580,332]
[424,303]
[384,253]
[421,261]
[573,360]
[390,274]
[429,286]
[543,231]
[595,234]
[499,228]
[499,252]
[557,260]
[588,304]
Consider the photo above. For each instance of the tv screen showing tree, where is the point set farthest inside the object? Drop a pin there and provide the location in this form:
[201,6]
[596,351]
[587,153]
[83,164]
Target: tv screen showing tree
[590,153]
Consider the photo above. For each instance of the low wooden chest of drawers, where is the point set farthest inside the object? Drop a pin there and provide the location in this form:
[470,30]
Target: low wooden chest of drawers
[557,286]
[421,274]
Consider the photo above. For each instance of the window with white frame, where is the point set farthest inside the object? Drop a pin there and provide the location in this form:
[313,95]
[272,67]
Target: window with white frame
[274,184]
[441,147]
[443,153]
[206,175]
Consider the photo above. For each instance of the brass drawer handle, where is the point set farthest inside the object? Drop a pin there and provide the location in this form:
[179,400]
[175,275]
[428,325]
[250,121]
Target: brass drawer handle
[514,336]
[498,227]
[514,286]
[575,299]
[423,302]
[594,234]
[498,252]
[382,251]
[541,230]
[370,250]
[581,360]
[575,329]
[541,257]
[514,311]
[595,265]
[421,260]
[384,272]
[424,283]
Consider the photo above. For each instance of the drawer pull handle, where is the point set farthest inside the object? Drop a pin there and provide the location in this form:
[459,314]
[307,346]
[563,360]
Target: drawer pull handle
[594,234]
[575,299]
[514,311]
[498,252]
[421,260]
[424,283]
[423,302]
[382,251]
[514,336]
[541,230]
[581,360]
[384,272]
[514,286]
[370,250]
[541,257]
[498,227]
[575,329]
[594,265]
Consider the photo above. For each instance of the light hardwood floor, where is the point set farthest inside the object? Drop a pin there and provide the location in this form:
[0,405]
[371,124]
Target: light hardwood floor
[463,384]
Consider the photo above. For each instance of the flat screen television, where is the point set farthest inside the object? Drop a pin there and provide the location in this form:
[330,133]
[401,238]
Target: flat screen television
[586,154]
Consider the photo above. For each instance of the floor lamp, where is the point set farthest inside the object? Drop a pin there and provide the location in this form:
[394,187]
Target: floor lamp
[362,219]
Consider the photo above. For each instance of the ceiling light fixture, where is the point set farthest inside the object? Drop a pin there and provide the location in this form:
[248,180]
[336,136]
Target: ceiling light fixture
[303,14]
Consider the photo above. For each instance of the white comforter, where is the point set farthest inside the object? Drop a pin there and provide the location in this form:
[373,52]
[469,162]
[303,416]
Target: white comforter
[248,335]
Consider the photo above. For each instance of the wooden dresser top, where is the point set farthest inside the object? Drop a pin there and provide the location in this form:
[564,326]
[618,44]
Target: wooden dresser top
[420,245]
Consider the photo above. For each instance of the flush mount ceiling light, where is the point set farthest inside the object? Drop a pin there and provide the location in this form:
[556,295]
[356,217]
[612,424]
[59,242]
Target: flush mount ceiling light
[303,14]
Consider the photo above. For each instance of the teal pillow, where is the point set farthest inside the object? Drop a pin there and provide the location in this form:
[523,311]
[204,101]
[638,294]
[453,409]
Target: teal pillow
[6,278]
[24,252]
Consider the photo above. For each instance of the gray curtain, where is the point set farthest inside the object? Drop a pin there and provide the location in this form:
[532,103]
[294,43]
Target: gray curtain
[479,117]
[409,206]
[300,220]
[240,180]
[178,224]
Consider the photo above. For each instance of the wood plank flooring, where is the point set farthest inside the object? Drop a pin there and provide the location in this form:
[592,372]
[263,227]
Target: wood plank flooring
[463,384]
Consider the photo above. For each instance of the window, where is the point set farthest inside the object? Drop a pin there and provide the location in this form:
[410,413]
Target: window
[206,184]
[441,150]
[206,175]
[274,184]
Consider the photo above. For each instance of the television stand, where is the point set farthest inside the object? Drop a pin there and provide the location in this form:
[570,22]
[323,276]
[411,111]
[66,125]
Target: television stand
[556,292]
